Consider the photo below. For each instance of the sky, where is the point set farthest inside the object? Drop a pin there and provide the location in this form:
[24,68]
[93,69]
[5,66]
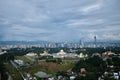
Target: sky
[59,20]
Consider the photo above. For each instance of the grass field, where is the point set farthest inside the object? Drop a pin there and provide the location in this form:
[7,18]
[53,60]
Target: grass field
[49,67]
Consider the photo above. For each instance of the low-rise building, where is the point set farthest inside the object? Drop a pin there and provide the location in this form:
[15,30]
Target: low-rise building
[31,54]
[63,54]
[45,53]
[19,62]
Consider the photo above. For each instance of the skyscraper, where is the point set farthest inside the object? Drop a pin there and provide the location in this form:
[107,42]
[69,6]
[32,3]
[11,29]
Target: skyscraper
[95,41]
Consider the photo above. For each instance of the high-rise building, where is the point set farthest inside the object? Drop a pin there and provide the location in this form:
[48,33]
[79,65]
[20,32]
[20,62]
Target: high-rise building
[80,42]
[95,39]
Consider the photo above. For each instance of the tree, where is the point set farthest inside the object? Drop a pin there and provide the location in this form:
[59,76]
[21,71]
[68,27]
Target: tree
[3,72]
[116,61]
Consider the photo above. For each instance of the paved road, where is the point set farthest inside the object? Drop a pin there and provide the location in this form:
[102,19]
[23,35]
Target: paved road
[9,77]
[17,68]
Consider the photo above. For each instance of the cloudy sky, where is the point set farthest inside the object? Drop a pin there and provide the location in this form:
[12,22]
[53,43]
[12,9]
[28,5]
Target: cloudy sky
[59,20]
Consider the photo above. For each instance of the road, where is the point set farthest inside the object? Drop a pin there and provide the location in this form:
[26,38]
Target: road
[9,77]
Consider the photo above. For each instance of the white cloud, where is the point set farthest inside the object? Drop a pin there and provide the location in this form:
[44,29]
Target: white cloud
[91,8]
[58,20]
[85,22]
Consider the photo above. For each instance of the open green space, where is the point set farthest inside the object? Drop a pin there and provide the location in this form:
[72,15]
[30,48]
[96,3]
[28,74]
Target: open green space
[49,67]
[24,59]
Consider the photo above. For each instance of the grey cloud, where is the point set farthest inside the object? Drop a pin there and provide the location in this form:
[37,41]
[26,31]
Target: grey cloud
[59,19]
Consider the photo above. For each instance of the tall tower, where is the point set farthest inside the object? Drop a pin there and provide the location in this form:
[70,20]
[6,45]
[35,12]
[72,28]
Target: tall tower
[80,42]
[95,39]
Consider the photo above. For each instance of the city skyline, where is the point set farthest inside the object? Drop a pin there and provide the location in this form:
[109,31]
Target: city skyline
[64,20]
